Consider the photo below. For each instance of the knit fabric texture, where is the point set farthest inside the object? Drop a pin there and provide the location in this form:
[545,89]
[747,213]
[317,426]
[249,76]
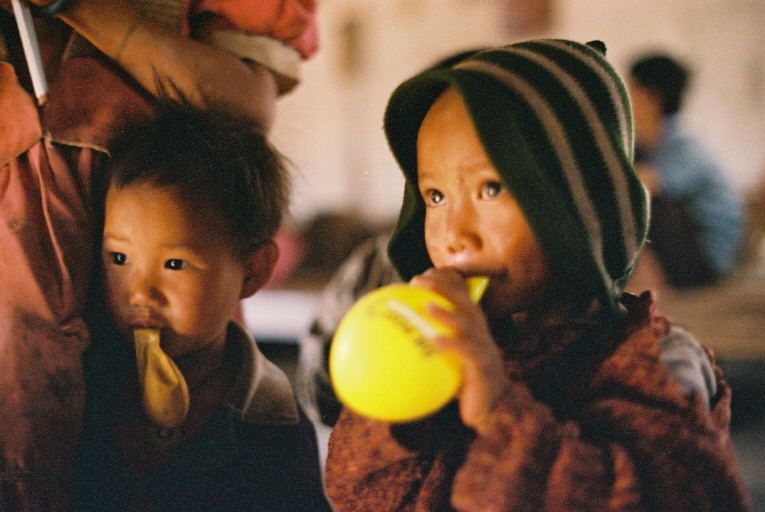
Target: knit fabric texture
[555,121]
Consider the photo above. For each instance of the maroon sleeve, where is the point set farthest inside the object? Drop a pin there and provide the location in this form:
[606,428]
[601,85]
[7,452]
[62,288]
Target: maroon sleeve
[45,265]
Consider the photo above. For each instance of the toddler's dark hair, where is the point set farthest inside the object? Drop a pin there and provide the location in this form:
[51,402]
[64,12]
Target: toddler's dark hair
[211,158]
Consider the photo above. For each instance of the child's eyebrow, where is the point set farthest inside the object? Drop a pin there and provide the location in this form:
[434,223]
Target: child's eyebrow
[111,236]
[184,246]
[477,167]
[424,172]
[190,247]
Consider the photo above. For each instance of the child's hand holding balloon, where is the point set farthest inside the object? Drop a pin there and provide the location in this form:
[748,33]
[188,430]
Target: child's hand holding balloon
[483,375]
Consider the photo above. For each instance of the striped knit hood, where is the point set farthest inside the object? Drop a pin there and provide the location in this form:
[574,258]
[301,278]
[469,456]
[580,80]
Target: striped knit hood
[555,121]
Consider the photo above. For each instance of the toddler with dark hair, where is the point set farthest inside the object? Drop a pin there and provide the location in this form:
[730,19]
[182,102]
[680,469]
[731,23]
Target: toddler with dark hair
[201,421]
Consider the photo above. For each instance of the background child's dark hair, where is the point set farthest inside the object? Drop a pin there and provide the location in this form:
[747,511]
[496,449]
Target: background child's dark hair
[665,76]
[210,158]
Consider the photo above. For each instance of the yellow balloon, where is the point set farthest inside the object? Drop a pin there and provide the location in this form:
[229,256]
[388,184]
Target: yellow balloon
[382,361]
[165,392]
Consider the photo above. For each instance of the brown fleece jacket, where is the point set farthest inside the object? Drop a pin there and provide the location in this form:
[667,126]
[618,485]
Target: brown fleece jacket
[583,426]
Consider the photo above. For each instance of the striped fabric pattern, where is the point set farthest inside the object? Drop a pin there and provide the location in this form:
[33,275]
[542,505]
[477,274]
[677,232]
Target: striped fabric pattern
[555,120]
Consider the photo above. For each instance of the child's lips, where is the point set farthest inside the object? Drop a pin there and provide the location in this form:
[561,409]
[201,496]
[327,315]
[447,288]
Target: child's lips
[147,322]
[145,325]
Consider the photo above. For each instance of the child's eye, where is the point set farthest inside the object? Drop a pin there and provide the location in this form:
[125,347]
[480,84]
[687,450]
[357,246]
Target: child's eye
[175,264]
[491,189]
[433,196]
[118,258]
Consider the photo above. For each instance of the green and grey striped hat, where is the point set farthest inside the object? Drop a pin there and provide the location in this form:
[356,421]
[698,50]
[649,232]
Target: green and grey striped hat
[555,120]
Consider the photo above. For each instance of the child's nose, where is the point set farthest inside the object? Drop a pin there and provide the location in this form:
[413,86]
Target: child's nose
[144,292]
[462,233]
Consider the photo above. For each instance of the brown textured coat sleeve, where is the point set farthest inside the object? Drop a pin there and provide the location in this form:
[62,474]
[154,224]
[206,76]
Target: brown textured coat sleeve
[636,443]
[368,468]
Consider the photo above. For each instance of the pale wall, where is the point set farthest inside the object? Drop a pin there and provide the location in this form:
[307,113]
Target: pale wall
[331,126]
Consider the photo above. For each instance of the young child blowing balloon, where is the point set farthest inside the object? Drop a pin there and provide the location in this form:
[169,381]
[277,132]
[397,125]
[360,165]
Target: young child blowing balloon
[518,166]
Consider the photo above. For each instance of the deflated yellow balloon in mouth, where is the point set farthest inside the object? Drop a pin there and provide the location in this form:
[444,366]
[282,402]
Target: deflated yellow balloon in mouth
[165,393]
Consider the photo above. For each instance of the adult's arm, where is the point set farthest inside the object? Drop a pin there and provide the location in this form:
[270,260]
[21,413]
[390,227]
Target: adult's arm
[147,50]
[45,226]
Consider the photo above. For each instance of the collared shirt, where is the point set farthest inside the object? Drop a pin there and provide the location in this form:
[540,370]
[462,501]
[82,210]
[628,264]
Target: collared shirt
[258,452]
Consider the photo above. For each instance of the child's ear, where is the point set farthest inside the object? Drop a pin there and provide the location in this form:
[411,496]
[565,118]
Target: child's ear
[259,265]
